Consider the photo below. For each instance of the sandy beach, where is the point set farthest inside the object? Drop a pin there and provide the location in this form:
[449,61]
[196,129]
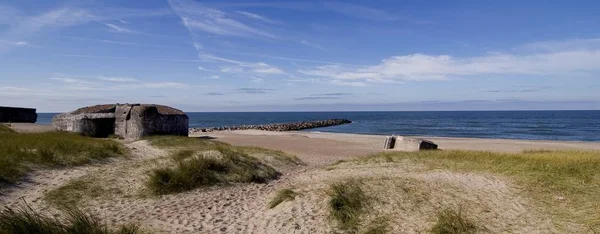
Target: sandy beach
[497,202]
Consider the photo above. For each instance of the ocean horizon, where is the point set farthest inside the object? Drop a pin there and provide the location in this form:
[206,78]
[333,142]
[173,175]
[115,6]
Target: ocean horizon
[564,125]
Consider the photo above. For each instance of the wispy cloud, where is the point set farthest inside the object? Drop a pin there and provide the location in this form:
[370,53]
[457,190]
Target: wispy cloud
[423,67]
[119,79]
[258,17]
[242,67]
[119,29]
[125,43]
[196,16]
[113,83]
[317,98]
[333,94]
[310,44]
[359,11]
[214,94]
[164,85]
[255,90]
[13,89]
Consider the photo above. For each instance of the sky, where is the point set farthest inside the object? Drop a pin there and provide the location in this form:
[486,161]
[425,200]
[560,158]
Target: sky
[301,55]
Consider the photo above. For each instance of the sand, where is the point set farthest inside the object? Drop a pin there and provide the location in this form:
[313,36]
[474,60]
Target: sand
[410,194]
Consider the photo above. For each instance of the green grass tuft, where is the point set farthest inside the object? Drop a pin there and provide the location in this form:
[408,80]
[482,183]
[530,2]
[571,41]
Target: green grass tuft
[6,129]
[20,152]
[281,196]
[347,204]
[73,192]
[26,220]
[452,222]
[194,172]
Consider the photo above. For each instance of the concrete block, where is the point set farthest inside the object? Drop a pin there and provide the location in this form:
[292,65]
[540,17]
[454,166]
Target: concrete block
[412,144]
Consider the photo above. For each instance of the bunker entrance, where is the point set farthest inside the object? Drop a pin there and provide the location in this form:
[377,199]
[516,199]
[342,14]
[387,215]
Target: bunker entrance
[104,127]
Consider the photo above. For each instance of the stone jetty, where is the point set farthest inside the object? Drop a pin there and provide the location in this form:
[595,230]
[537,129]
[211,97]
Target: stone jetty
[277,127]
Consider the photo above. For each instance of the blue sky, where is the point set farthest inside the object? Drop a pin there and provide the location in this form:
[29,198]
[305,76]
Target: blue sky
[301,55]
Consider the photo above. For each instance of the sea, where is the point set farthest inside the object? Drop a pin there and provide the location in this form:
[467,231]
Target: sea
[527,125]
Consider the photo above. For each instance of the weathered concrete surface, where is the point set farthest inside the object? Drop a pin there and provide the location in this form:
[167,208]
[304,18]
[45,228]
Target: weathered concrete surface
[412,144]
[17,115]
[128,121]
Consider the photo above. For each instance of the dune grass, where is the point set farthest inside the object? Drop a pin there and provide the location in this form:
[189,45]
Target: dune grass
[347,204]
[231,166]
[378,226]
[561,182]
[6,129]
[453,222]
[281,196]
[73,192]
[22,152]
[26,220]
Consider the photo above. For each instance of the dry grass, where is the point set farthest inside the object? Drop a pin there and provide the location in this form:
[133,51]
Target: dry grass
[73,192]
[378,226]
[22,152]
[193,169]
[347,204]
[26,220]
[281,196]
[453,222]
[564,183]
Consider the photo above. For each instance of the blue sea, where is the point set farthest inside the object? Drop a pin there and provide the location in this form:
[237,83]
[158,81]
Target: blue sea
[529,125]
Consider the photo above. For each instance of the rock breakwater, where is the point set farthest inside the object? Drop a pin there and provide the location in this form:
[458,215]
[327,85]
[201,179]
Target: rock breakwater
[278,127]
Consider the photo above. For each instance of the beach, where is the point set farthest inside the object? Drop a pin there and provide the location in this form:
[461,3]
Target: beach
[497,203]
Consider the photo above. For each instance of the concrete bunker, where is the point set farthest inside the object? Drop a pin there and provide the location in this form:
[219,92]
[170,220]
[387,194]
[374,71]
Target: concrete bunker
[127,121]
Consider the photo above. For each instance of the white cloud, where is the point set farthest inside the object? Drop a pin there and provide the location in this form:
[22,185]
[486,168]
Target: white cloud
[358,11]
[14,89]
[113,83]
[118,79]
[258,17]
[314,45]
[21,43]
[198,17]
[422,67]
[243,67]
[165,85]
[348,83]
[119,29]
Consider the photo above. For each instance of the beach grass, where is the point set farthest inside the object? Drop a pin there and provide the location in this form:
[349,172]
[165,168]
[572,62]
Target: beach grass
[559,181]
[378,226]
[23,152]
[195,171]
[25,220]
[347,204]
[281,196]
[72,193]
[450,221]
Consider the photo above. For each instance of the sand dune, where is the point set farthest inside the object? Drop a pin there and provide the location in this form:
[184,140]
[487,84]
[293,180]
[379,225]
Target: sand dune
[404,191]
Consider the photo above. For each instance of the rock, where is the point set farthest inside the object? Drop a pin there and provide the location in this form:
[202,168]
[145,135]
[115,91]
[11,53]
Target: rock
[280,127]
[412,144]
